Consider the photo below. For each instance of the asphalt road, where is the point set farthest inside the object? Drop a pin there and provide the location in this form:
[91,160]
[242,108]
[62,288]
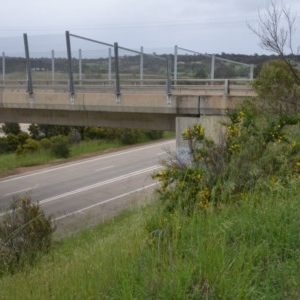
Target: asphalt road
[84,192]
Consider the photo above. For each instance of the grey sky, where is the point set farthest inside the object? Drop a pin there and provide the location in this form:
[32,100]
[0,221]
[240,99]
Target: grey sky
[207,26]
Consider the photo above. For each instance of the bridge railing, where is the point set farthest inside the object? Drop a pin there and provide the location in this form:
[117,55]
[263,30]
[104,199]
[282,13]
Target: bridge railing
[226,86]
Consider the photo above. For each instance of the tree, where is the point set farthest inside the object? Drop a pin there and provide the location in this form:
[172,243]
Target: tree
[276,88]
[275,31]
[13,128]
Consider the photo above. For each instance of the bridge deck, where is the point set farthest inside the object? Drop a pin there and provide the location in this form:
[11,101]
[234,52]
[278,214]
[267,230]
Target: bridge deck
[148,105]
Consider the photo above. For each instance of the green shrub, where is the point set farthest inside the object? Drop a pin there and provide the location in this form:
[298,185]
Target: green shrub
[154,134]
[4,147]
[12,142]
[13,128]
[25,231]
[29,146]
[130,136]
[257,153]
[74,136]
[45,143]
[93,133]
[23,137]
[60,146]
[277,88]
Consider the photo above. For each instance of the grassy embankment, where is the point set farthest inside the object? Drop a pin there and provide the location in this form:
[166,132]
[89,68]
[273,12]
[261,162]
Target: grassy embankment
[245,251]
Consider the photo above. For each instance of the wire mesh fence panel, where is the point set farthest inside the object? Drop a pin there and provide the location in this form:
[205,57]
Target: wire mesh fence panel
[192,65]
[230,70]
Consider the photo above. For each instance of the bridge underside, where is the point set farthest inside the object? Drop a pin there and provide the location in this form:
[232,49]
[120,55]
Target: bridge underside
[153,121]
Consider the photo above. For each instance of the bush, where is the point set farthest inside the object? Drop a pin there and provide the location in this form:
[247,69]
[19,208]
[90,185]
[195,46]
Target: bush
[277,88]
[93,133]
[45,143]
[154,134]
[12,142]
[23,137]
[74,136]
[13,128]
[130,136]
[30,146]
[25,232]
[4,147]
[258,153]
[60,146]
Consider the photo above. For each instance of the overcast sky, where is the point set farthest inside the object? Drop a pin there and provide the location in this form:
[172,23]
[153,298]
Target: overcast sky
[206,26]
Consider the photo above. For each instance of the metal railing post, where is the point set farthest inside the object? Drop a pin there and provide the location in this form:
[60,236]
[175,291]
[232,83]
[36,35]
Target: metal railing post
[175,64]
[169,81]
[52,65]
[117,88]
[142,65]
[212,67]
[28,67]
[71,80]
[80,66]
[109,64]
[3,67]
[251,72]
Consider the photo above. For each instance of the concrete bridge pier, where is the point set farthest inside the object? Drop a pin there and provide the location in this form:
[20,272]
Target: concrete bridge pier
[212,125]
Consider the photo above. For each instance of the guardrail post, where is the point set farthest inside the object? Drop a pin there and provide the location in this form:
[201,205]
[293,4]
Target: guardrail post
[3,67]
[28,68]
[71,80]
[117,88]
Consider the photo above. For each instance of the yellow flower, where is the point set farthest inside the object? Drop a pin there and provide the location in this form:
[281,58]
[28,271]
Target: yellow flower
[241,116]
[297,166]
[273,180]
[204,196]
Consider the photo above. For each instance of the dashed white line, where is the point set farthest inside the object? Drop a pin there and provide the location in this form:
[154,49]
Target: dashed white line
[103,202]
[96,185]
[20,191]
[87,161]
[102,169]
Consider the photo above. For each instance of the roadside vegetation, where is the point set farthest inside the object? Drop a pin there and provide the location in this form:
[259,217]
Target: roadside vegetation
[225,224]
[48,143]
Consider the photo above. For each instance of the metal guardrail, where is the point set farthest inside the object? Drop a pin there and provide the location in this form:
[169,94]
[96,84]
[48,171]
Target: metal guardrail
[86,85]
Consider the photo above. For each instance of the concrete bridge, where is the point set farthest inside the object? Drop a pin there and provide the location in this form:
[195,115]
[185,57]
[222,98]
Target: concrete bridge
[157,104]
[141,105]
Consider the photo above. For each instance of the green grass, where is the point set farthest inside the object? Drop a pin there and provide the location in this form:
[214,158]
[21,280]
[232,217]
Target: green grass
[9,162]
[246,250]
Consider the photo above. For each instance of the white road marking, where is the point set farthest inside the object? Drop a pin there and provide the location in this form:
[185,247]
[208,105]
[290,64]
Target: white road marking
[96,185]
[20,191]
[103,202]
[102,169]
[87,161]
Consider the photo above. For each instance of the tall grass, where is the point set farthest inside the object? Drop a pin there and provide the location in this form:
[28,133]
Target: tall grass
[244,250]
